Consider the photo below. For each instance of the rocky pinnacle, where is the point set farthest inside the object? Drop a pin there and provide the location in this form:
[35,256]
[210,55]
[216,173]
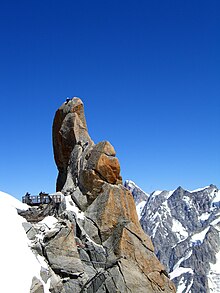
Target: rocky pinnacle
[112,252]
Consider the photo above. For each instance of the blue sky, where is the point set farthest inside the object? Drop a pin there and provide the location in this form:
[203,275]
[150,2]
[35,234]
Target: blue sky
[148,73]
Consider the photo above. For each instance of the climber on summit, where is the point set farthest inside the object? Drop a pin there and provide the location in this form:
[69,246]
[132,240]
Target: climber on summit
[67,100]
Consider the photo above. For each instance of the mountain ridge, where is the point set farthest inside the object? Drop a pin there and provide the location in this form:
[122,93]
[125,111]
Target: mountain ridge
[184,228]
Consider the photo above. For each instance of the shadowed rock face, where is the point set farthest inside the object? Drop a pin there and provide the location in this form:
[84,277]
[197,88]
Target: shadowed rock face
[110,251]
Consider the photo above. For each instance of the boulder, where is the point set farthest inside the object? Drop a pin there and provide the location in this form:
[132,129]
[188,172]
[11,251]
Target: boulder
[61,250]
[36,286]
[98,166]
[30,230]
[102,160]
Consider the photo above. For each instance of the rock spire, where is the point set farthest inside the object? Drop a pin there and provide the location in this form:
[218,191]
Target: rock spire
[113,253]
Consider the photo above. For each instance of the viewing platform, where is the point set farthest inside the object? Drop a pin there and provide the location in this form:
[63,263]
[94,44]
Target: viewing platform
[42,198]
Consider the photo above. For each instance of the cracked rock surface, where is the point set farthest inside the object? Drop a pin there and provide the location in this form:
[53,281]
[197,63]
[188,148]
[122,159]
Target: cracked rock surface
[96,243]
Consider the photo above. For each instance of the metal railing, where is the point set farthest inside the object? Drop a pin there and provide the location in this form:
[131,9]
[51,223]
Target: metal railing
[41,199]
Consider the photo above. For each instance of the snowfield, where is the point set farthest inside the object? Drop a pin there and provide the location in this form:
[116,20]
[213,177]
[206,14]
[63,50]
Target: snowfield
[18,263]
[139,208]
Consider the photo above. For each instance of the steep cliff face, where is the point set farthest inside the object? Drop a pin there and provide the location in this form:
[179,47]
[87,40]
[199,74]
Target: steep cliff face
[98,244]
[185,229]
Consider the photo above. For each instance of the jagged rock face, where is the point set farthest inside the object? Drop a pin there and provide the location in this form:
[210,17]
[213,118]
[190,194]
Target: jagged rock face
[185,229]
[97,225]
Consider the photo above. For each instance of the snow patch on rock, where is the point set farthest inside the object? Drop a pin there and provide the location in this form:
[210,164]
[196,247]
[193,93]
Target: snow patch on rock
[139,208]
[180,231]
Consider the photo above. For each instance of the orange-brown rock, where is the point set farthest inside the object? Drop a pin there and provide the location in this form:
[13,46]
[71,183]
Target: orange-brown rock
[90,184]
[115,244]
[140,283]
[104,162]
[69,128]
[99,166]
[115,205]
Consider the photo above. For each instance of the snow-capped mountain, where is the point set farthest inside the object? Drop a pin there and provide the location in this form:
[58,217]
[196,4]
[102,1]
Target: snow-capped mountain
[184,227]
[140,197]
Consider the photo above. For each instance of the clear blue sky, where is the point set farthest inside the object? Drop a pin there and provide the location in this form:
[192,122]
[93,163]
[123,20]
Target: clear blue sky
[147,71]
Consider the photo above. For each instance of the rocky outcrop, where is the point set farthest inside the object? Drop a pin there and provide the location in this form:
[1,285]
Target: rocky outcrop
[114,252]
[36,286]
[34,214]
[95,243]
[69,129]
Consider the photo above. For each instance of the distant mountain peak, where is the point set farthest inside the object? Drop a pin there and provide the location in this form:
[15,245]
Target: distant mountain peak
[140,197]
[138,193]
[185,229]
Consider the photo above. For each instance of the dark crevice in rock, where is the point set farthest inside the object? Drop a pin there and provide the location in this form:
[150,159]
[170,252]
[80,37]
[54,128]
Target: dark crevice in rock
[106,289]
[121,272]
[95,262]
[137,262]
[95,257]
[113,263]
[113,280]
[138,238]
[90,282]
[75,201]
[100,175]
[164,272]
[28,230]
[99,232]
[90,261]
[78,230]
[64,274]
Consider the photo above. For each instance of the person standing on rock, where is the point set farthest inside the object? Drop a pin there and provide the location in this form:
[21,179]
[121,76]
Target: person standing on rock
[41,197]
[27,198]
